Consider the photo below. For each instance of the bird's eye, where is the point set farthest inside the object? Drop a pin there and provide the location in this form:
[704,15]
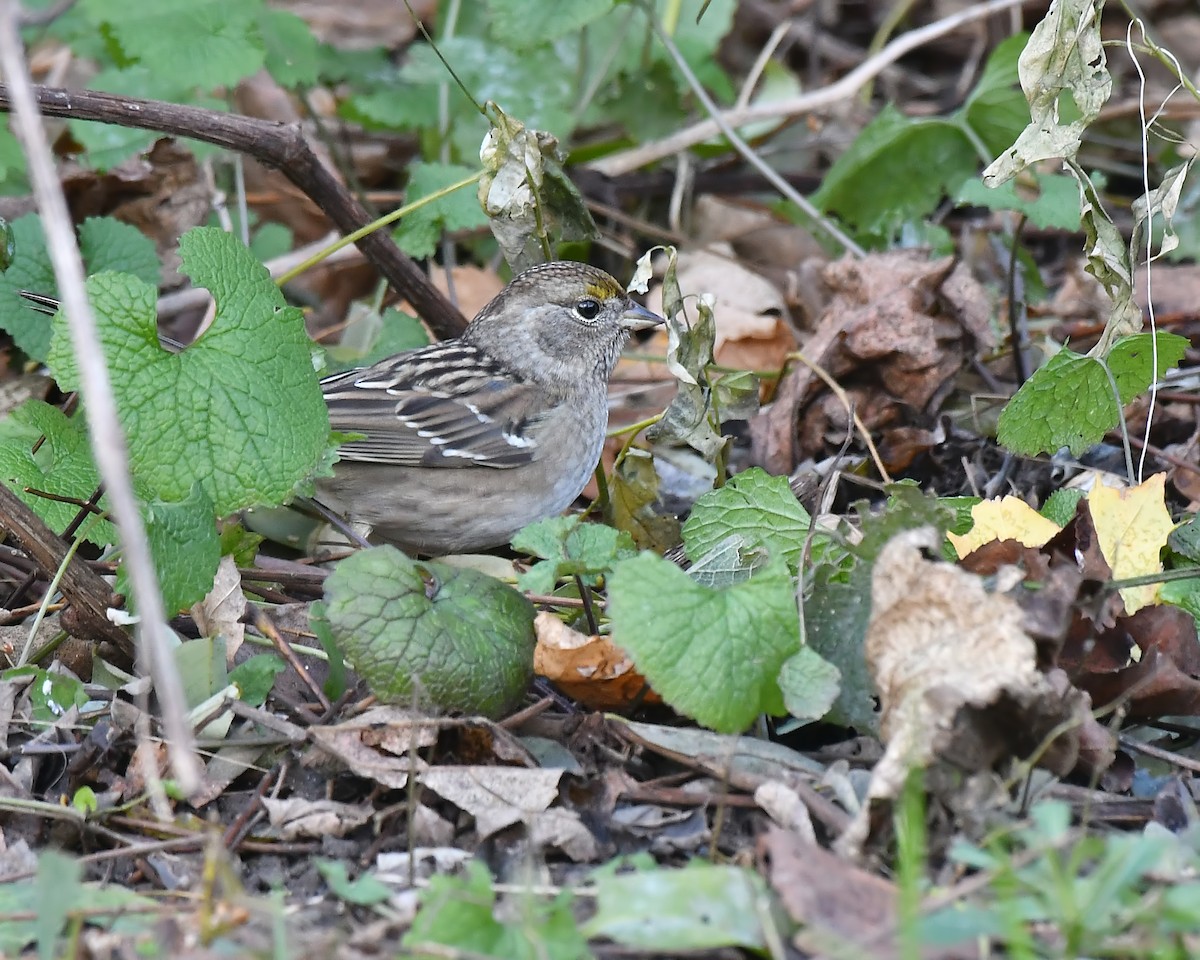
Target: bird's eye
[588,309]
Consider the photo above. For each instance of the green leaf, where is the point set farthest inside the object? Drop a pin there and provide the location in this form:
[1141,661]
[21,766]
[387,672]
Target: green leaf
[996,109]
[520,24]
[105,244]
[420,231]
[56,891]
[1185,539]
[370,337]
[107,144]
[460,639]
[197,43]
[202,668]
[896,170]
[1184,594]
[456,913]
[53,894]
[838,606]
[256,676]
[270,240]
[677,632]
[12,159]
[700,907]
[754,505]
[239,543]
[50,694]
[291,48]
[1069,402]
[185,546]
[84,800]
[247,420]
[108,244]
[697,38]
[1059,506]
[730,561]
[366,891]
[335,682]
[1055,207]
[62,464]
[382,108]
[30,270]
[568,548]
[810,684]
[530,84]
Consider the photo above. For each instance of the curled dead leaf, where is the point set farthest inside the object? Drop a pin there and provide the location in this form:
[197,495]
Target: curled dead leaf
[591,670]
[957,676]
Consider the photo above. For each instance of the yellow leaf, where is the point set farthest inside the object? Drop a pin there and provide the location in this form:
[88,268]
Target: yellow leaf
[1132,526]
[1009,518]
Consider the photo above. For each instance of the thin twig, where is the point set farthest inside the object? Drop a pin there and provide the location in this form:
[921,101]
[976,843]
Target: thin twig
[627,161]
[743,148]
[108,440]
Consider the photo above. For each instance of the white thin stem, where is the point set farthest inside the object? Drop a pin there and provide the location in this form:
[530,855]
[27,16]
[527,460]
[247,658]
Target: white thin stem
[627,161]
[1142,129]
[761,61]
[743,148]
[108,440]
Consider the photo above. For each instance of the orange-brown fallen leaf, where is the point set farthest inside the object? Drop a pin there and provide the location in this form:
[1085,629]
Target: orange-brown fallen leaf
[589,669]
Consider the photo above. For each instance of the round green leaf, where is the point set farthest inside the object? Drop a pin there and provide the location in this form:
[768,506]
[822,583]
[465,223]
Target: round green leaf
[461,639]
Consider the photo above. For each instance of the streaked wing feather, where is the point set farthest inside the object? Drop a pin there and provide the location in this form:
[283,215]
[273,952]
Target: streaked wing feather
[442,406]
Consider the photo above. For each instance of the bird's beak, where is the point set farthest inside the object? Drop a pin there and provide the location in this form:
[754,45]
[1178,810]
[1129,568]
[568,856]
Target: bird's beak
[637,317]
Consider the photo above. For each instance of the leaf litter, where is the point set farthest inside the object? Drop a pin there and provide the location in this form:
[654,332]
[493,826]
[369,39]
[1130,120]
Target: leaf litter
[1017,673]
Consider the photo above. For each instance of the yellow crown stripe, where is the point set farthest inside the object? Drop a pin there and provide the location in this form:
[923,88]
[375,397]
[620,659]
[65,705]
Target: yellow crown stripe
[604,289]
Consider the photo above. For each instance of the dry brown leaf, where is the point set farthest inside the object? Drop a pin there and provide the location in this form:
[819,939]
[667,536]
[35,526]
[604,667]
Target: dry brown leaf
[897,328]
[377,745]
[161,192]
[474,286]
[297,818]
[591,670]
[956,673]
[752,332]
[563,830]
[220,612]
[835,903]
[757,237]
[362,25]
[497,797]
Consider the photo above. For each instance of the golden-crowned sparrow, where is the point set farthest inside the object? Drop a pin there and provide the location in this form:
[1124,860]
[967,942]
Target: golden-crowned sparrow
[468,440]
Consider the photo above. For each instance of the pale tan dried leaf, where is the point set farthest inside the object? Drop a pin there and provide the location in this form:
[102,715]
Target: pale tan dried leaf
[957,675]
[751,326]
[496,797]
[297,818]
[377,745]
[220,612]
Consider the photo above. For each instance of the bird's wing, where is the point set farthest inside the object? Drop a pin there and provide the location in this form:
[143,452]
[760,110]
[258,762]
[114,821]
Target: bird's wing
[440,406]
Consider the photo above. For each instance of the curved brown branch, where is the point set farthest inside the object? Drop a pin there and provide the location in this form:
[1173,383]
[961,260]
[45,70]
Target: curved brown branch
[279,145]
[87,592]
